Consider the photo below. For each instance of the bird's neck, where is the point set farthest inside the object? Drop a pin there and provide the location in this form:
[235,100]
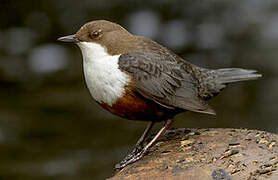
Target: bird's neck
[103,77]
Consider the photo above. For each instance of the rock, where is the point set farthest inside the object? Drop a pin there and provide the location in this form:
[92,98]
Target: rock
[208,154]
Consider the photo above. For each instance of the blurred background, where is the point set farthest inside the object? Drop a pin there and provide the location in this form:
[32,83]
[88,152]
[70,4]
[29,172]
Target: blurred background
[49,126]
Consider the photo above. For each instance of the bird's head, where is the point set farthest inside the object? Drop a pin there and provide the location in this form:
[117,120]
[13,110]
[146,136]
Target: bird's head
[101,32]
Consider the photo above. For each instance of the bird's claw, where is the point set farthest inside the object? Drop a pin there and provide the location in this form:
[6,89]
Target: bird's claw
[136,154]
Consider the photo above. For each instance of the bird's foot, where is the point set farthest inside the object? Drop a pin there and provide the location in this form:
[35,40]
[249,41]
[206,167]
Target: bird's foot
[137,153]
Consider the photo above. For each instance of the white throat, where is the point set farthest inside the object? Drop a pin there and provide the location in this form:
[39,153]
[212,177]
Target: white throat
[103,77]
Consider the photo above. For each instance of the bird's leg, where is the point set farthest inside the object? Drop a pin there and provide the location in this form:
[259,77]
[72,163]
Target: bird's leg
[138,146]
[139,153]
[144,135]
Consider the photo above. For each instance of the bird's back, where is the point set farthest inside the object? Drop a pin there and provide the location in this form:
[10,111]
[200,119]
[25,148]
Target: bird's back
[206,83]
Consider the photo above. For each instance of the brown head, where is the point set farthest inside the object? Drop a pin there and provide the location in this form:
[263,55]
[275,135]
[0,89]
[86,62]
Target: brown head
[108,34]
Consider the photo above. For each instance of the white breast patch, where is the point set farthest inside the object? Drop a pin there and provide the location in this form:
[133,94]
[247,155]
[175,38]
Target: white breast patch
[103,77]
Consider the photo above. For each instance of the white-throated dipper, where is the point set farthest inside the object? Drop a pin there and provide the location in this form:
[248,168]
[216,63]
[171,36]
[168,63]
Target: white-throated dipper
[136,78]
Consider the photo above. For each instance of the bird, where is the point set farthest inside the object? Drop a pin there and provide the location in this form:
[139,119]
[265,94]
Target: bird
[136,78]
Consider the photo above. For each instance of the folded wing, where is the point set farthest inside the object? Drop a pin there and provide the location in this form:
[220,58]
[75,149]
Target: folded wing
[162,80]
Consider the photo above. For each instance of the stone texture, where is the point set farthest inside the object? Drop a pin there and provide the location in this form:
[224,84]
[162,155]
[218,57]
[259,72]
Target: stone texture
[208,154]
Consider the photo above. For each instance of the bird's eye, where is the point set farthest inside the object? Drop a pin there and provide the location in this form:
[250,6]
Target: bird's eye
[95,34]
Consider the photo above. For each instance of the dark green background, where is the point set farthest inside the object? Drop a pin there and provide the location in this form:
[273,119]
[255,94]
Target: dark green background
[49,126]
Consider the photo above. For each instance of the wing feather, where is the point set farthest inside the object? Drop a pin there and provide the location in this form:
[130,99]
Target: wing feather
[163,81]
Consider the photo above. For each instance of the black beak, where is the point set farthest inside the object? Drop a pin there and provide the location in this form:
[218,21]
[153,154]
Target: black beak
[70,39]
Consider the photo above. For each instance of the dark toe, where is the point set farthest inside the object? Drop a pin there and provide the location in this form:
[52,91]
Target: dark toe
[130,158]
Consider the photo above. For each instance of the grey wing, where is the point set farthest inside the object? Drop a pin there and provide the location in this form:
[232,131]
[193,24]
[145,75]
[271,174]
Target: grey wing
[163,81]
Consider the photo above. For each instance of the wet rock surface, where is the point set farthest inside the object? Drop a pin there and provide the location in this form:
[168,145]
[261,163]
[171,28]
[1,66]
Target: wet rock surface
[213,154]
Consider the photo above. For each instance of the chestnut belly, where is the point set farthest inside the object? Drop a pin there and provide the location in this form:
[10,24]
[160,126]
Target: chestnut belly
[133,106]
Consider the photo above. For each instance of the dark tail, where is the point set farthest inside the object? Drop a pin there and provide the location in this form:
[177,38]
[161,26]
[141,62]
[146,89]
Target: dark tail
[216,80]
[229,75]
